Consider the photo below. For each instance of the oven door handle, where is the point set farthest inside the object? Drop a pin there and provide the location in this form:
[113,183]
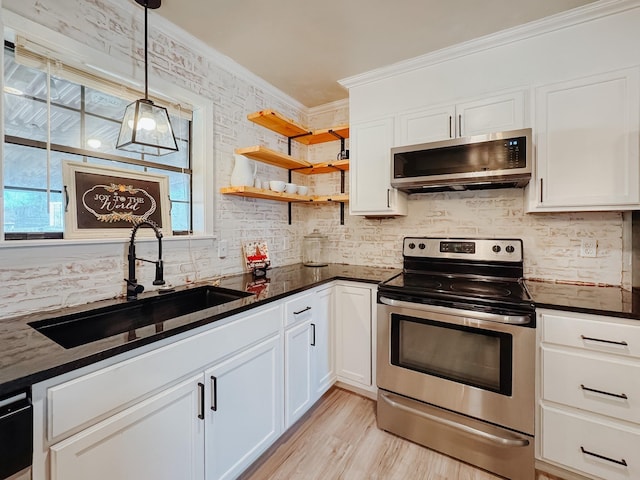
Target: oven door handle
[490,437]
[491,317]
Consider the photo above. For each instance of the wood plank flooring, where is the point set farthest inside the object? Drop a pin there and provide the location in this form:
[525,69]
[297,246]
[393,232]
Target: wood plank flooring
[339,439]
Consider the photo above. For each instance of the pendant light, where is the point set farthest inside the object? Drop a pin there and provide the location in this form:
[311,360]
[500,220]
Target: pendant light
[146,127]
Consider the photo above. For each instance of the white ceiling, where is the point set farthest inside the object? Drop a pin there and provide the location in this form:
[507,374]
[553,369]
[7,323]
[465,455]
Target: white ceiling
[303,47]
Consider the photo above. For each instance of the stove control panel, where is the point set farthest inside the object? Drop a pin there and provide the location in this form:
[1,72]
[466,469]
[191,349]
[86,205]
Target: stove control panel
[489,249]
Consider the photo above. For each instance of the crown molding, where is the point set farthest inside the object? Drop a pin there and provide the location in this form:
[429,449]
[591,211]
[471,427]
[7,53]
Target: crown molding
[327,107]
[536,28]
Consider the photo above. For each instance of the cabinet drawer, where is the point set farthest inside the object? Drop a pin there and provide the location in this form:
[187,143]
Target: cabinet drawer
[591,332]
[598,447]
[603,384]
[299,309]
[89,398]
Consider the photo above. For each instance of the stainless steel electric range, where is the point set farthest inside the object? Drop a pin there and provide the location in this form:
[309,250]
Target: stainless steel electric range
[456,352]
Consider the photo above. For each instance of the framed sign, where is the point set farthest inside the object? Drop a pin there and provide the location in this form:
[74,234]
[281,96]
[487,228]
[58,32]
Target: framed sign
[108,202]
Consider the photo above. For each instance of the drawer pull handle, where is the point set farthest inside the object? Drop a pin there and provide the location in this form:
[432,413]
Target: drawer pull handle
[613,460]
[591,339]
[602,392]
[302,311]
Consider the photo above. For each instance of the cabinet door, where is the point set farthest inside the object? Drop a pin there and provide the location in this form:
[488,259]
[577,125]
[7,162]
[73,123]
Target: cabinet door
[298,371]
[587,142]
[422,126]
[159,438]
[370,191]
[244,409]
[322,342]
[491,114]
[353,334]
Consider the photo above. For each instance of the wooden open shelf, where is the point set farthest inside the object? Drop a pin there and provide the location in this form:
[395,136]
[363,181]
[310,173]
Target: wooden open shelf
[278,123]
[325,135]
[326,167]
[253,192]
[266,155]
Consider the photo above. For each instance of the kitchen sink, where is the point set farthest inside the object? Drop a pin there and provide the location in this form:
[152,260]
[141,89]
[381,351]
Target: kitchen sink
[81,328]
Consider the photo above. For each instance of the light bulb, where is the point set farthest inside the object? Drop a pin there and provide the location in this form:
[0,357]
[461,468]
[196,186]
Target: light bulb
[146,123]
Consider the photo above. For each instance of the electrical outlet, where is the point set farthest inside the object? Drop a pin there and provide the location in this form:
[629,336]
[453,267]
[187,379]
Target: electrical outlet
[223,246]
[285,244]
[589,247]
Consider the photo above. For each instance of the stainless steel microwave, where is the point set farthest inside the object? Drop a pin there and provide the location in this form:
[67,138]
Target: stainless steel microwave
[495,160]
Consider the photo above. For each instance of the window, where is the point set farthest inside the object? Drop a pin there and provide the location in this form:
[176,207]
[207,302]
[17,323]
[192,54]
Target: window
[50,118]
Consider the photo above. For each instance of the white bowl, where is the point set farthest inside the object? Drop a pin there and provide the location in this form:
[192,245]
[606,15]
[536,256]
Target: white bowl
[290,188]
[277,185]
[303,189]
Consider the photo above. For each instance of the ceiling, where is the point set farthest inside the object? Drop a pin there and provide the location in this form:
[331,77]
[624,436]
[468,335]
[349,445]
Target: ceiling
[303,48]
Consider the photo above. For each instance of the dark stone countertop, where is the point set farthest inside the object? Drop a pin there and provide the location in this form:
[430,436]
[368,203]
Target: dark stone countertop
[28,357]
[611,301]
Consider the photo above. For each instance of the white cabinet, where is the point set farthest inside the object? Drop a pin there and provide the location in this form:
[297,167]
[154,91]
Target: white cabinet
[370,191]
[354,341]
[587,144]
[322,342]
[475,117]
[589,408]
[140,419]
[243,409]
[159,438]
[298,371]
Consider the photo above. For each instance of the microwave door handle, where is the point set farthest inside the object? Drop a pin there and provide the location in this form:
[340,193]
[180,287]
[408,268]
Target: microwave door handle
[490,317]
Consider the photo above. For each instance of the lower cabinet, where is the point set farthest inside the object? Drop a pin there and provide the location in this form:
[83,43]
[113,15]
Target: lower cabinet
[243,409]
[354,340]
[161,438]
[208,405]
[298,371]
[323,343]
[589,407]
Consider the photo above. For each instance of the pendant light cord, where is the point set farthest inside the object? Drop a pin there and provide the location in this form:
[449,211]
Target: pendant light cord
[146,61]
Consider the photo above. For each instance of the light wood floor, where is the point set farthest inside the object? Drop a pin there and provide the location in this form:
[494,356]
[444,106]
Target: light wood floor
[339,440]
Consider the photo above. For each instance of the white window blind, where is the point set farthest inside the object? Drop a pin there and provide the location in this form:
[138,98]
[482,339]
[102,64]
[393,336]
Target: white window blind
[31,54]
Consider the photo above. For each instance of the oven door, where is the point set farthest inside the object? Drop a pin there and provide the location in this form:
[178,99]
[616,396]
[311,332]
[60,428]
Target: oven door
[479,367]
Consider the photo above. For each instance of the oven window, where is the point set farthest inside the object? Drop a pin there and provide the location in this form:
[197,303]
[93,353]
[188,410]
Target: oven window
[473,356]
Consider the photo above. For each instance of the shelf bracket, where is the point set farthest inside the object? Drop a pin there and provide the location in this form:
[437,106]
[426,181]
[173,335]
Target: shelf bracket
[342,191]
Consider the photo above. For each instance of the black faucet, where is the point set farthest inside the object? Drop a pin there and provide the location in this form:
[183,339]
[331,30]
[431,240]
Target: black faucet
[133,287]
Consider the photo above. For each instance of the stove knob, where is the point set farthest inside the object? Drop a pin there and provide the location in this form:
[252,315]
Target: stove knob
[496,248]
[412,245]
[510,249]
[421,246]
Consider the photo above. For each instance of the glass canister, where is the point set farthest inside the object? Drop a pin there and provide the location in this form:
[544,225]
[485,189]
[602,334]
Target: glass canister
[314,249]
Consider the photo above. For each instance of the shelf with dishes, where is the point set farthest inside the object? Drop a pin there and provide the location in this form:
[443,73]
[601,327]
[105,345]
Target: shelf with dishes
[253,192]
[282,125]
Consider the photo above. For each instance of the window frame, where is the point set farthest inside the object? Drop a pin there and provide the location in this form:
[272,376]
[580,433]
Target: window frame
[98,63]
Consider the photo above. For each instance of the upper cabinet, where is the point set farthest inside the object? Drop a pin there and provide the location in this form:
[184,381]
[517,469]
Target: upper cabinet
[370,188]
[587,144]
[484,115]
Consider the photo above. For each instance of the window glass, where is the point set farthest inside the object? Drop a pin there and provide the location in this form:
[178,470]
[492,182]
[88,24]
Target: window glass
[83,124]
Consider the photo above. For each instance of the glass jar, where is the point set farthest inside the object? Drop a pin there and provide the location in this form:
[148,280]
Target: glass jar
[314,248]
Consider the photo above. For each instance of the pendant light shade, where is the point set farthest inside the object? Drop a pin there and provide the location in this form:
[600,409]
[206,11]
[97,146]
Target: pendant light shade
[146,127]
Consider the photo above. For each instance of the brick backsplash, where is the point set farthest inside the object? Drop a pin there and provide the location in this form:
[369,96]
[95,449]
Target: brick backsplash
[61,275]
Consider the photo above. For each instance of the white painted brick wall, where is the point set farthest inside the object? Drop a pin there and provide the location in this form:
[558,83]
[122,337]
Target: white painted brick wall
[62,275]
